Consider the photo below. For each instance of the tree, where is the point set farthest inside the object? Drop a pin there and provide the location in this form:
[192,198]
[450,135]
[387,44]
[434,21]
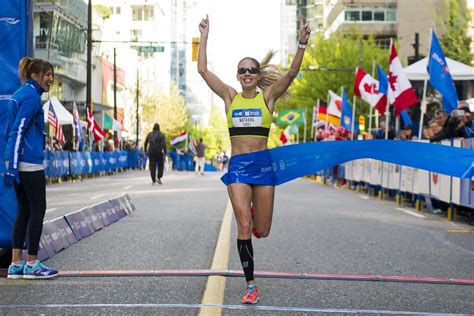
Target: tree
[456,41]
[166,109]
[330,64]
[215,135]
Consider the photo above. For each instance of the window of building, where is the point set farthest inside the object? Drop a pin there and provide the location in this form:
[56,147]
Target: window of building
[352,16]
[143,12]
[391,15]
[366,15]
[135,35]
[117,10]
[379,16]
[369,15]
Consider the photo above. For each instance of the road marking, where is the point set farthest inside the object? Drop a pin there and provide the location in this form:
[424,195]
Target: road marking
[364,197]
[410,212]
[51,209]
[95,197]
[209,307]
[128,187]
[215,286]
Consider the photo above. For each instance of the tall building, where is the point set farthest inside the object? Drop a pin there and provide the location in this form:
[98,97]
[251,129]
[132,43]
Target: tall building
[386,19]
[139,30]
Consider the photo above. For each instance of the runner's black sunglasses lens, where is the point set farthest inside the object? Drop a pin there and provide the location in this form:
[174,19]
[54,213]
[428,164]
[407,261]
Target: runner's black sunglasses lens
[251,70]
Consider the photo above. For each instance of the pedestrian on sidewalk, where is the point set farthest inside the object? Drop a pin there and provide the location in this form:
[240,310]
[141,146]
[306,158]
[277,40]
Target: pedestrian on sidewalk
[249,116]
[25,171]
[201,157]
[155,147]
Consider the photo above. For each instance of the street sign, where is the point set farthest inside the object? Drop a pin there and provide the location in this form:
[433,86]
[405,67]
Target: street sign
[151,49]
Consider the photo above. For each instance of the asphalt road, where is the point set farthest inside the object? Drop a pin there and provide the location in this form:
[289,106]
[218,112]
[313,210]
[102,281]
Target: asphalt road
[316,228]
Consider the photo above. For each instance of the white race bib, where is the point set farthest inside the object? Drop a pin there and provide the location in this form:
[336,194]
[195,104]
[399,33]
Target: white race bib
[247,118]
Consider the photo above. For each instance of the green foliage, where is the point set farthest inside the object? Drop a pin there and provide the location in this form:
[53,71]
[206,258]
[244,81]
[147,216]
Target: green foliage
[215,136]
[103,10]
[330,64]
[166,109]
[456,41]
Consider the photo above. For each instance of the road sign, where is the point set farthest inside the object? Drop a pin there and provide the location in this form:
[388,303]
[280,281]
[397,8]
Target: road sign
[151,49]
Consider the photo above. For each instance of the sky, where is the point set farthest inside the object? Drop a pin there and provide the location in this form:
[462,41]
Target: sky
[239,29]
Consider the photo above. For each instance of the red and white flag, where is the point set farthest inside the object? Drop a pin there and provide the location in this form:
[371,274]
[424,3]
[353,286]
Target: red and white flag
[93,127]
[54,121]
[335,102]
[400,93]
[367,88]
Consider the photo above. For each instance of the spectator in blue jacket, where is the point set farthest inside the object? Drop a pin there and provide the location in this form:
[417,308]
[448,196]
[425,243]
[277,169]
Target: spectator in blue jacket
[24,135]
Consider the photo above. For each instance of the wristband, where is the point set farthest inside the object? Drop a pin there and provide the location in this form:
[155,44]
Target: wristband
[301,45]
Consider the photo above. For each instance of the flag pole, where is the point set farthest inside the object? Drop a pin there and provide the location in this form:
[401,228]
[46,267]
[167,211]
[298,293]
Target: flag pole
[387,111]
[371,96]
[353,116]
[304,122]
[425,84]
[327,117]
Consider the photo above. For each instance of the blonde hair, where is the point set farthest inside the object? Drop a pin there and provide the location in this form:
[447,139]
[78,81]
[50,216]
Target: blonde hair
[270,72]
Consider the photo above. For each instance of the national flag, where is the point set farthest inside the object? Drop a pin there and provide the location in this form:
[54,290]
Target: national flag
[180,138]
[54,121]
[346,113]
[367,88]
[77,122]
[287,133]
[291,116]
[94,128]
[400,93]
[383,81]
[440,78]
[323,116]
[334,107]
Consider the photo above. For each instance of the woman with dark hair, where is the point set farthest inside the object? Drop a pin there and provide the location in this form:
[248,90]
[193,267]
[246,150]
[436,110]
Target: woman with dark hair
[249,115]
[24,162]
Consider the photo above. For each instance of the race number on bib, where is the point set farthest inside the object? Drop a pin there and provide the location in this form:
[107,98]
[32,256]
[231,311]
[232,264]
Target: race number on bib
[247,118]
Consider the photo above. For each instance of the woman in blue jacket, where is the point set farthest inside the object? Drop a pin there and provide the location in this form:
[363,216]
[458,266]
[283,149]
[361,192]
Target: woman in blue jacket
[24,136]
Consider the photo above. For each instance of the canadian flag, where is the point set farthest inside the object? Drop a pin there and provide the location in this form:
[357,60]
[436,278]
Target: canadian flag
[93,127]
[367,88]
[400,93]
[335,102]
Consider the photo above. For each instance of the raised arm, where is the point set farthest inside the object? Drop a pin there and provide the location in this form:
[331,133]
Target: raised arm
[280,86]
[224,91]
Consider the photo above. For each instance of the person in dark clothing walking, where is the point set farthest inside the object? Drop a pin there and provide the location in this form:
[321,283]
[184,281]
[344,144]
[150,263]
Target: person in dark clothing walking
[155,147]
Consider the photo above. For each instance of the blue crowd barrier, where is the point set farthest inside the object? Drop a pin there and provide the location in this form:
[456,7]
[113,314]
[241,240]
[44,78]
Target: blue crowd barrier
[62,163]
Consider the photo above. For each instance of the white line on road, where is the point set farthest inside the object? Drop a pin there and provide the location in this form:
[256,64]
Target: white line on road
[51,209]
[410,212]
[364,197]
[229,307]
[128,187]
[95,197]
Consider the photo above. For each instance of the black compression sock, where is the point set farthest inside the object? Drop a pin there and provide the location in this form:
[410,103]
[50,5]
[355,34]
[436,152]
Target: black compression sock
[246,257]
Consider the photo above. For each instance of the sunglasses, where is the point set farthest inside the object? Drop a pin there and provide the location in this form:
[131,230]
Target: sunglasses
[251,70]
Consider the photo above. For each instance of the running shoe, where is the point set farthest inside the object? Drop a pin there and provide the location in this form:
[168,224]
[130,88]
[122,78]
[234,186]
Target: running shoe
[15,271]
[251,295]
[254,230]
[38,271]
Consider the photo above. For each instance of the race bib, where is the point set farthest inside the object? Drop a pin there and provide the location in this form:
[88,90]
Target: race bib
[247,117]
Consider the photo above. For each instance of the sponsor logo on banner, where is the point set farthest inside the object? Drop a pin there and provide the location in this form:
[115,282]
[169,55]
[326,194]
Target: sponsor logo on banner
[435,177]
[11,21]
[5,97]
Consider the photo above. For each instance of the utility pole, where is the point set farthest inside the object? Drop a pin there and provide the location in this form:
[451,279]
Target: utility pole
[138,97]
[89,56]
[115,93]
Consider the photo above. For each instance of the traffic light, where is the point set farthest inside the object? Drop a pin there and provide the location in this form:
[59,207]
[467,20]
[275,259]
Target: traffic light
[195,48]
[361,123]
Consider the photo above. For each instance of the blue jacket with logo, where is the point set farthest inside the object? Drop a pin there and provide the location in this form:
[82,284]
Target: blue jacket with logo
[24,132]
